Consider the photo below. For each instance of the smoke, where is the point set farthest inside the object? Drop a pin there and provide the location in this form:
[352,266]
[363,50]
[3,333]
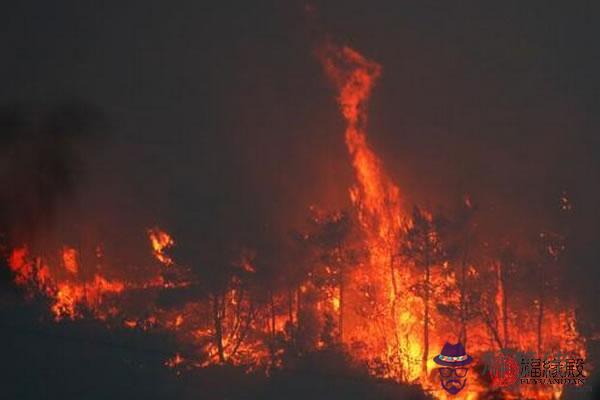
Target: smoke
[42,161]
[231,133]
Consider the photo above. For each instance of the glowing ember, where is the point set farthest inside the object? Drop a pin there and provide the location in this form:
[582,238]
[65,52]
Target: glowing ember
[19,265]
[174,361]
[69,257]
[130,324]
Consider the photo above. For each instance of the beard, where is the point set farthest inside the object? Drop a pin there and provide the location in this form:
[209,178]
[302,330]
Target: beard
[453,386]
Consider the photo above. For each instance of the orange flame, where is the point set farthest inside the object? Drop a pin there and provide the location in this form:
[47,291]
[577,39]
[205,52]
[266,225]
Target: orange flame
[160,241]
[378,203]
[383,286]
[69,257]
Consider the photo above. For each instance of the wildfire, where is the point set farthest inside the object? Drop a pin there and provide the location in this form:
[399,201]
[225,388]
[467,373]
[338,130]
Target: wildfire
[161,241]
[394,304]
[376,196]
[18,263]
[69,257]
[378,203]
[387,281]
[74,290]
[69,296]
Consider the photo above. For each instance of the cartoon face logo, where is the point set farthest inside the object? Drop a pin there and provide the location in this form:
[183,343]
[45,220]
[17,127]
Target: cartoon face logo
[453,379]
[453,371]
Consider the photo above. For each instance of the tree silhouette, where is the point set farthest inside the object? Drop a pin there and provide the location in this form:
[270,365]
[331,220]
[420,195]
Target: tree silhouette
[422,246]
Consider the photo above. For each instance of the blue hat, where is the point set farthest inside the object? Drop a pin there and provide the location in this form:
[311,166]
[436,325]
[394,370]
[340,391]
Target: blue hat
[453,355]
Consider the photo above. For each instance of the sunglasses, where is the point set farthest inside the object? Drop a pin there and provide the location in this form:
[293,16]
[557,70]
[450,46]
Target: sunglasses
[448,372]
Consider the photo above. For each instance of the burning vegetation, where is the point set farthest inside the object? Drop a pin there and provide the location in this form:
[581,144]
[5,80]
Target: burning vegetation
[384,282]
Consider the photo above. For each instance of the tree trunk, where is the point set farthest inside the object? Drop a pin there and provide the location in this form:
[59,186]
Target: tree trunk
[539,325]
[540,320]
[393,310]
[341,306]
[290,305]
[243,331]
[493,330]
[426,320]
[298,302]
[463,306]
[272,304]
[502,302]
[218,322]
[504,308]
[272,326]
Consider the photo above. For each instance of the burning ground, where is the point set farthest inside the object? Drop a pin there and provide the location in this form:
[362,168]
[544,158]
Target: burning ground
[241,284]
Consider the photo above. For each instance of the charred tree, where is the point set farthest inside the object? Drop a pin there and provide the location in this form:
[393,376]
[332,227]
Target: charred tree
[218,326]
[330,235]
[551,247]
[461,248]
[506,267]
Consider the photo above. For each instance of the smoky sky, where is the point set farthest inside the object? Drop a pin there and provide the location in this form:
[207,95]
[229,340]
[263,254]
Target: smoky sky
[222,113]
